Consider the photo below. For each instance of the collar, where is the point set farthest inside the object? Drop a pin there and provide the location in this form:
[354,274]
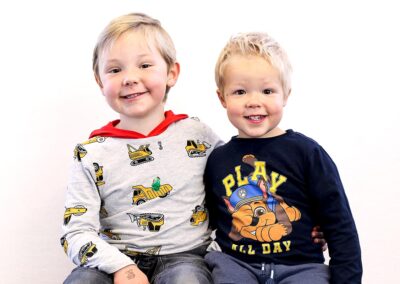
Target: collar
[110,130]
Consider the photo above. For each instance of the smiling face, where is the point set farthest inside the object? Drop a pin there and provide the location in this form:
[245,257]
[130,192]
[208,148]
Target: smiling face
[253,96]
[133,77]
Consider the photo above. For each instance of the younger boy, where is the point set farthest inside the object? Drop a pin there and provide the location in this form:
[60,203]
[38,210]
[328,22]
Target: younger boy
[135,199]
[267,187]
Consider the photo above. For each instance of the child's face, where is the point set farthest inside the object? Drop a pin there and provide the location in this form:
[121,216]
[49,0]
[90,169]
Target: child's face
[133,77]
[253,96]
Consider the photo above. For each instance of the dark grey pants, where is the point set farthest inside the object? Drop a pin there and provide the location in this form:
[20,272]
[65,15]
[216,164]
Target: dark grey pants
[226,269]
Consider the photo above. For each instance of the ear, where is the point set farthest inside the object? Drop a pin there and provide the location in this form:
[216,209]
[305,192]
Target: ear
[221,98]
[173,74]
[98,81]
[228,204]
[285,99]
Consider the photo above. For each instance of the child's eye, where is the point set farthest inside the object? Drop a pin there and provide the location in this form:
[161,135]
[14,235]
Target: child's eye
[267,91]
[239,92]
[114,70]
[144,66]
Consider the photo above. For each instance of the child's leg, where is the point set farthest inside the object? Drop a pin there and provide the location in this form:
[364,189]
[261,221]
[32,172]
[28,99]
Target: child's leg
[228,270]
[88,276]
[310,273]
[182,268]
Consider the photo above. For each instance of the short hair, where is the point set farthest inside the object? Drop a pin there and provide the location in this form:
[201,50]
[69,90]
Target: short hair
[151,29]
[259,44]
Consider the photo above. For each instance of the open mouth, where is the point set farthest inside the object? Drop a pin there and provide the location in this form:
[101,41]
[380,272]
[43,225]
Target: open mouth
[255,118]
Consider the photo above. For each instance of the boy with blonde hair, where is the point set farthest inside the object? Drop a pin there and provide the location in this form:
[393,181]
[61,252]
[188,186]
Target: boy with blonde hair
[135,198]
[268,187]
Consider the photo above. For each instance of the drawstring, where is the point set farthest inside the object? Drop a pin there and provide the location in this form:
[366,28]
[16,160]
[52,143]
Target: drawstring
[271,280]
[263,269]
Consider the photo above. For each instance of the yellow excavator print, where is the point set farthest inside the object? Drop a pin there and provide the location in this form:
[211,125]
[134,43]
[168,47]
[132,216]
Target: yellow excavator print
[196,149]
[140,155]
[80,151]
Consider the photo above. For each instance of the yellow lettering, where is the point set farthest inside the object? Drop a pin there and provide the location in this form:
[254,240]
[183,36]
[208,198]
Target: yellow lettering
[287,245]
[240,181]
[228,182]
[259,170]
[251,251]
[266,248]
[241,249]
[276,181]
[234,247]
[277,247]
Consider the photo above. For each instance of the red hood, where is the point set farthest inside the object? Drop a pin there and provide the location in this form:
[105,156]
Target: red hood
[109,130]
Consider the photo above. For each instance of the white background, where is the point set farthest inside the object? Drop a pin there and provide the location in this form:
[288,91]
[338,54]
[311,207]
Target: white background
[345,94]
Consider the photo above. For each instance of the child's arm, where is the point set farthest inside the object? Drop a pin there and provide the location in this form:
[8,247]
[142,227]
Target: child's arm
[82,223]
[130,274]
[335,219]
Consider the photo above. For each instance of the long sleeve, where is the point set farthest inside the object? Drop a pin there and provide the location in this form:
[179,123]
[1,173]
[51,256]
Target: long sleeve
[335,218]
[81,223]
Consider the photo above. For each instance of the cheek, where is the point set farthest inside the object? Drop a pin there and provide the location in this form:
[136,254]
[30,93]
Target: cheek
[233,109]
[275,106]
[109,89]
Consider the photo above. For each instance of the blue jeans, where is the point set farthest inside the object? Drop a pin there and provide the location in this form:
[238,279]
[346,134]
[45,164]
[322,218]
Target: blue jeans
[229,270]
[180,268]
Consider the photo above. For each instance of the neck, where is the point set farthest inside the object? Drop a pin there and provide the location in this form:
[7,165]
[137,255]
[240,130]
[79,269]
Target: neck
[143,125]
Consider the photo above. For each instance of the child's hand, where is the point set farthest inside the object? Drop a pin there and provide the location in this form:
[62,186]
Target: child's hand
[318,237]
[130,274]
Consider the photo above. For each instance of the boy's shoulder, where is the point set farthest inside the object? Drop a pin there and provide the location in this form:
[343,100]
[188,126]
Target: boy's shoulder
[291,140]
[300,138]
[192,124]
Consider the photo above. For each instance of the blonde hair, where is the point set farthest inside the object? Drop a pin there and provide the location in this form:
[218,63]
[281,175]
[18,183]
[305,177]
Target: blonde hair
[258,44]
[151,29]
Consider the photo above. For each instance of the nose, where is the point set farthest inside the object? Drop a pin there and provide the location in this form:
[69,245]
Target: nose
[253,100]
[131,78]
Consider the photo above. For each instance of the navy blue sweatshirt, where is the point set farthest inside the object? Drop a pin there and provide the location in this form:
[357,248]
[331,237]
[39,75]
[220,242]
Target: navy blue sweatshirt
[266,194]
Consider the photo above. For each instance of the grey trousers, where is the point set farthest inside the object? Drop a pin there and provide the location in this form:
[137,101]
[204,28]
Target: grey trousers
[180,268]
[226,269]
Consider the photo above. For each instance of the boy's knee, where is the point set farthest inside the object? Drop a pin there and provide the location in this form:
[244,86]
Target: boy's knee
[88,276]
[185,273]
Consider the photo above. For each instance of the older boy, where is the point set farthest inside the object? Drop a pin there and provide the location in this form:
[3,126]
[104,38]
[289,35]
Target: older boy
[135,199]
[268,187]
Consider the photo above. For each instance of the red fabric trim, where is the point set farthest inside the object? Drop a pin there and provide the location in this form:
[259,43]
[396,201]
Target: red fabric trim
[109,130]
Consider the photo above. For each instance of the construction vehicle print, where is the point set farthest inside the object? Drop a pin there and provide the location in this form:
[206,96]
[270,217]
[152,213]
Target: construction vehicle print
[151,221]
[199,215]
[109,234]
[141,193]
[64,244]
[131,250]
[76,211]
[141,155]
[99,174]
[86,252]
[80,151]
[196,149]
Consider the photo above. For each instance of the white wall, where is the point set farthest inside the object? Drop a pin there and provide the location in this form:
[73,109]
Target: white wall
[345,95]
